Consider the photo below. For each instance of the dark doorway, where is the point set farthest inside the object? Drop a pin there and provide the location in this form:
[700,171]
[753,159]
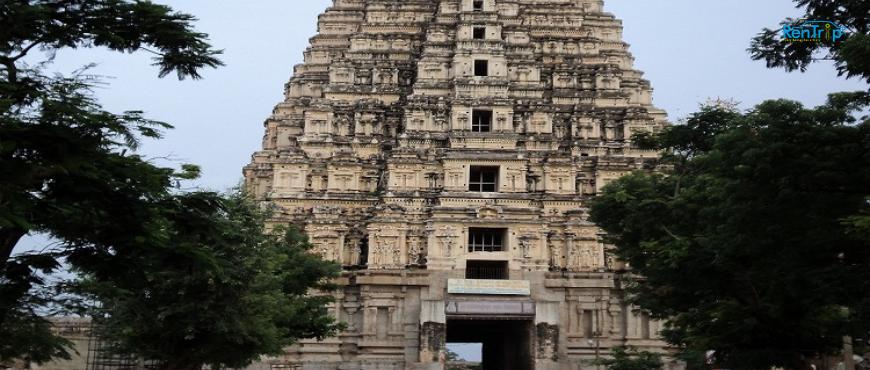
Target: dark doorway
[507,344]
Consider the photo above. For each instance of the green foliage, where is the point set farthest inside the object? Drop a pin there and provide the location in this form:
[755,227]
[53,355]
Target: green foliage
[851,55]
[627,358]
[220,291]
[753,241]
[183,278]
[450,355]
[118,25]
[23,330]
[67,164]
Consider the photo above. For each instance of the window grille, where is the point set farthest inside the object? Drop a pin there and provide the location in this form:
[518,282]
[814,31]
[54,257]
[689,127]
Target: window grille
[481,120]
[483,179]
[486,240]
[486,270]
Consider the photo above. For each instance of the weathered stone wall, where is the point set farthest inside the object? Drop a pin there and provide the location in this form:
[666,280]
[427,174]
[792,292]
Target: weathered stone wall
[398,105]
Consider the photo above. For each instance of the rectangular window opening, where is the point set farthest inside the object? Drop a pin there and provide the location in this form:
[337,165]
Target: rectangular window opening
[481,68]
[486,270]
[479,33]
[486,240]
[477,5]
[481,120]
[483,179]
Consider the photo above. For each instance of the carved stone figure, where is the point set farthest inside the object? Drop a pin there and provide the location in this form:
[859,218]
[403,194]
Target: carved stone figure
[448,240]
[555,256]
[397,256]
[574,256]
[526,246]
[413,251]
[587,258]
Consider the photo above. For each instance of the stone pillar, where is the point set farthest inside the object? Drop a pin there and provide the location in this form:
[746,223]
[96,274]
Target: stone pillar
[433,335]
[546,341]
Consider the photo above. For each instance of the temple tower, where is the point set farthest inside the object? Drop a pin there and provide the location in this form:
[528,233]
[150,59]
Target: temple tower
[443,151]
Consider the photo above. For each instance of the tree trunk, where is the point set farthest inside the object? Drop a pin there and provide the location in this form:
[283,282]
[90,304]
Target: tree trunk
[9,238]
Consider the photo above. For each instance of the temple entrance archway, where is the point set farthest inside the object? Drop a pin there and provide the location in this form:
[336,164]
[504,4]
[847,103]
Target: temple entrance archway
[507,343]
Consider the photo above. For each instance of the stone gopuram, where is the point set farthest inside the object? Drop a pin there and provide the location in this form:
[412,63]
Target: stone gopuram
[443,152]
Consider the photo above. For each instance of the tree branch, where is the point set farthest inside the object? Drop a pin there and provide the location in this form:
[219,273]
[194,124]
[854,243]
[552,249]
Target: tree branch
[9,62]
[26,50]
[669,232]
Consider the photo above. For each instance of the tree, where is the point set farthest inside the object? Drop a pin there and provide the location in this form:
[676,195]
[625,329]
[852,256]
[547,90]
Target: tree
[746,238]
[851,55]
[68,168]
[452,358]
[628,358]
[451,355]
[221,292]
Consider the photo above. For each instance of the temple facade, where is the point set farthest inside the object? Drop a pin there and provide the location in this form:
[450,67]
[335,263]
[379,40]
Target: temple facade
[443,152]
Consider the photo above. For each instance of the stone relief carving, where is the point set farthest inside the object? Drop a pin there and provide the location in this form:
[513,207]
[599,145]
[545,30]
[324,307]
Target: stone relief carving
[356,254]
[414,251]
[397,256]
[526,246]
[379,251]
[587,258]
[553,247]
[447,239]
[574,257]
[326,250]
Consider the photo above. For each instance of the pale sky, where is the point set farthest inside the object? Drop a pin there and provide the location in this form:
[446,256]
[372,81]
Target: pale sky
[691,50]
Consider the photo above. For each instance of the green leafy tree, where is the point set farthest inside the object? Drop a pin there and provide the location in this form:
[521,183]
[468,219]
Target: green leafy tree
[67,164]
[747,238]
[219,290]
[26,335]
[851,55]
[628,358]
[54,132]
[183,278]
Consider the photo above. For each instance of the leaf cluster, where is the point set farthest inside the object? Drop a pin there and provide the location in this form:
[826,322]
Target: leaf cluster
[851,55]
[751,239]
[118,25]
[629,358]
[220,290]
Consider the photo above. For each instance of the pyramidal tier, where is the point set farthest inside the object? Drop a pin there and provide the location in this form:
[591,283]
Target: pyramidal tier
[443,152]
